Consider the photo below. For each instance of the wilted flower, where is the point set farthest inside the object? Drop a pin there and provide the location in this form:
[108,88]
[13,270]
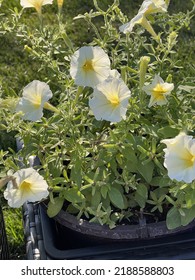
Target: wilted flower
[35,96]
[89,66]
[180,157]
[158,90]
[110,100]
[28,186]
[37,4]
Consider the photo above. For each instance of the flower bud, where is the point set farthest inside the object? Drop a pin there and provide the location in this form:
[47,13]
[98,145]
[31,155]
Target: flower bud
[172,39]
[27,48]
[169,78]
[143,68]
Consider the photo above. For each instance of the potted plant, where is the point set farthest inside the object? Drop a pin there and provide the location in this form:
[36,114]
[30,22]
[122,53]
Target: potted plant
[112,127]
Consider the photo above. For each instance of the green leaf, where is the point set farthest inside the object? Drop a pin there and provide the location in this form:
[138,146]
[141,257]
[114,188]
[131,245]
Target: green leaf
[173,219]
[55,206]
[76,175]
[73,195]
[55,168]
[168,131]
[141,195]
[186,88]
[116,198]
[96,199]
[104,191]
[129,154]
[190,198]
[146,170]
[160,182]
[189,216]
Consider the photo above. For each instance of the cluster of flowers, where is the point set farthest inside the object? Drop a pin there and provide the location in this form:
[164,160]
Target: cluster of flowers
[90,66]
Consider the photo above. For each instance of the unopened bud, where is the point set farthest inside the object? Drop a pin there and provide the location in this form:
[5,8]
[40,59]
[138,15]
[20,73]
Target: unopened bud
[144,60]
[172,39]
[27,48]
[169,78]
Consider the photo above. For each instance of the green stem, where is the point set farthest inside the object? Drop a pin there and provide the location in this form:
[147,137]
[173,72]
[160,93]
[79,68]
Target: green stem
[79,91]
[50,107]
[146,24]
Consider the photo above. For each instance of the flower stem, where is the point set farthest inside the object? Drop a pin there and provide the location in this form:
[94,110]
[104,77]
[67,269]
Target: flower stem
[146,24]
[50,107]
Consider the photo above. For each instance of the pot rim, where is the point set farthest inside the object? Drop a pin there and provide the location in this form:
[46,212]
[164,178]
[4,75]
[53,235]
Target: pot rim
[120,232]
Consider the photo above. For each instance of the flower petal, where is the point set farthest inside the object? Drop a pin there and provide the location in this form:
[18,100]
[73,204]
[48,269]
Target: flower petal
[89,66]
[34,189]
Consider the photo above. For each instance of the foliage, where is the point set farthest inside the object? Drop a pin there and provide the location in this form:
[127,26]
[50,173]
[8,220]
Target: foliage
[106,172]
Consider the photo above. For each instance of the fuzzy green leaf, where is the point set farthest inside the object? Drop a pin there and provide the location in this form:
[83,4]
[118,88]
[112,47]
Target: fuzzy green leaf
[73,195]
[173,219]
[104,191]
[116,198]
[76,175]
[55,206]
[146,170]
[141,195]
[190,198]
[189,216]
[168,131]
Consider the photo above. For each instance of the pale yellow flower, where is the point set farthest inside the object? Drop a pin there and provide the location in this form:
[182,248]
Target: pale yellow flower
[37,4]
[147,7]
[180,157]
[35,97]
[153,6]
[89,66]
[28,186]
[110,100]
[128,27]
[158,90]
[115,74]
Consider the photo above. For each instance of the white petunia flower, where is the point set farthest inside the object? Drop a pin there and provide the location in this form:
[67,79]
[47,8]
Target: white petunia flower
[180,157]
[147,7]
[35,95]
[128,27]
[153,6]
[28,186]
[158,90]
[110,100]
[114,74]
[37,4]
[89,66]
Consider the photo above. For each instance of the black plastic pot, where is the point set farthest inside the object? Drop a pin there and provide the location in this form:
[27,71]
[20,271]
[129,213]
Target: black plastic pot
[62,243]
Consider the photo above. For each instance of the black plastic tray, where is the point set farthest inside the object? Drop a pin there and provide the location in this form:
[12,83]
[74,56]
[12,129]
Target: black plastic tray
[60,243]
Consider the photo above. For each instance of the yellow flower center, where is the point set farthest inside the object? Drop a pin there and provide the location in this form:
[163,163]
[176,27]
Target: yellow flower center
[88,65]
[37,101]
[189,159]
[114,100]
[25,186]
[158,92]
